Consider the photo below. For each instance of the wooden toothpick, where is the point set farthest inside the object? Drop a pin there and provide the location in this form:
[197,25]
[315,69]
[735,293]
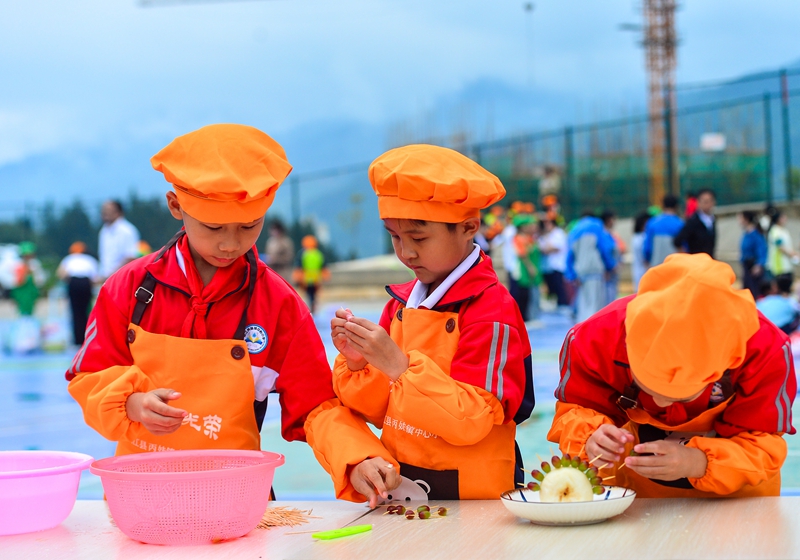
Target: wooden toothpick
[595,459]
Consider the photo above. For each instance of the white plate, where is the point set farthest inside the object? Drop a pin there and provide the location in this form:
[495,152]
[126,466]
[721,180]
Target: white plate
[525,503]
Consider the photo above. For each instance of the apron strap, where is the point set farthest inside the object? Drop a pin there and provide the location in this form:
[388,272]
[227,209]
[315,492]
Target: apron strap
[253,264]
[144,293]
[629,398]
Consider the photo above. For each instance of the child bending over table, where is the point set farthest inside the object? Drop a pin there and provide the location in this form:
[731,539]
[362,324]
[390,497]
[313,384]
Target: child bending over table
[686,376]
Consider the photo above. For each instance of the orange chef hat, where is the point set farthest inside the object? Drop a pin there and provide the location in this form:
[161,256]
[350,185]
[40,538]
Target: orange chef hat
[423,182]
[224,173]
[687,325]
[309,242]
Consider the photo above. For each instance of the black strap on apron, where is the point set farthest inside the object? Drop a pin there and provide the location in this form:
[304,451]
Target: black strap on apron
[629,398]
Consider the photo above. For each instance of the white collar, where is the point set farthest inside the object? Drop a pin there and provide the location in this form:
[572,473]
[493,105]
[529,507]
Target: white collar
[418,298]
[707,219]
[181,261]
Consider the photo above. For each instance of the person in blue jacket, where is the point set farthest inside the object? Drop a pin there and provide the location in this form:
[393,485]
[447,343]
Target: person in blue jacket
[778,305]
[590,259]
[753,253]
[660,232]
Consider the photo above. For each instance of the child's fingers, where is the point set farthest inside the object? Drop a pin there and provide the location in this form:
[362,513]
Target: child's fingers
[658,472]
[373,500]
[163,409]
[390,476]
[354,327]
[659,447]
[166,395]
[160,425]
[617,435]
[353,337]
[342,313]
[363,486]
[608,444]
[375,478]
[628,436]
[358,343]
[366,324]
[648,461]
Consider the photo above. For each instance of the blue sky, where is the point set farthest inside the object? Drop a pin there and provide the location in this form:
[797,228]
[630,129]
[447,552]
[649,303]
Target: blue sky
[90,76]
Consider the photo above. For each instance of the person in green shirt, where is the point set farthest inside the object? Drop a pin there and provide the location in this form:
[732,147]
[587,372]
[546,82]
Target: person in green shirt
[529,269]
[312,271]
[30,276]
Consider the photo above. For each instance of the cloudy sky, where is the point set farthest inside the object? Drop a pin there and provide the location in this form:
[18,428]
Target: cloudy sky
[89,74]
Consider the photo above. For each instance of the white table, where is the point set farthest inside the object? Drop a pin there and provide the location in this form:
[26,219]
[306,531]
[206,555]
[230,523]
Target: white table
[743,528]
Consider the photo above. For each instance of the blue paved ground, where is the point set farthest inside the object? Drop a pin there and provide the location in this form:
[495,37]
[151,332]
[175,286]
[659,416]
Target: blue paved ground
[38,413]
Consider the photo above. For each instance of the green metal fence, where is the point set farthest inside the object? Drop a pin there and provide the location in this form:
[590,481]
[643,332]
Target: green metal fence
[606,165]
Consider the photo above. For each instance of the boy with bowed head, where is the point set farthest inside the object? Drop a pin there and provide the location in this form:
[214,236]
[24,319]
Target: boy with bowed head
[686,376]
[447,371]
[185,344]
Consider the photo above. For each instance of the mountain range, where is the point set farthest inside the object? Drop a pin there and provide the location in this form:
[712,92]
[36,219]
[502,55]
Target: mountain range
[482,110]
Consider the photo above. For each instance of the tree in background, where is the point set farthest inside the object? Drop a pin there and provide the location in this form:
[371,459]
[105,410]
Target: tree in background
[54,230]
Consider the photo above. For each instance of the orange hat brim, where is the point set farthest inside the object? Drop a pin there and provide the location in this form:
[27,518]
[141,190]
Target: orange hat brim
[430,211]
[223,211]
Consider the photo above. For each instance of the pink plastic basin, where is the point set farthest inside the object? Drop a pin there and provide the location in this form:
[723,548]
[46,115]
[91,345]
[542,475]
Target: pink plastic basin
[38,488]
[188,497]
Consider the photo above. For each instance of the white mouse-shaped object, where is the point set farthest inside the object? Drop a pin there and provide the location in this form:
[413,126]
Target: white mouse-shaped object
[410,491]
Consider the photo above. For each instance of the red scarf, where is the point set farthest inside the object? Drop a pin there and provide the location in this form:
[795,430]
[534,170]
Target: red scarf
[225,281]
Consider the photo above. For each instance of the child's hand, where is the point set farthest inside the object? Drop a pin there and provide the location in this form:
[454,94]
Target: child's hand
[377,347]
[152,410]
[608,442]
[373,478]
[670,461]
[355,361]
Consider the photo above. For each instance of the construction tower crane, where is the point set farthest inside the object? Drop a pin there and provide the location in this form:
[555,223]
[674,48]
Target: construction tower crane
[660,44]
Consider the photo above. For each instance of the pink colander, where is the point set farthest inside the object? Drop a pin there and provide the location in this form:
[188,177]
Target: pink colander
[188,497]
[38,488]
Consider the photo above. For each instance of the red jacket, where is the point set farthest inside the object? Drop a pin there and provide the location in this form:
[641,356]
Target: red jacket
[294,352]
[595,372]
[482,302]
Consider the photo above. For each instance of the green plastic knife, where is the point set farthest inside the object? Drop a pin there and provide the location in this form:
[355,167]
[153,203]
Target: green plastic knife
[343,532]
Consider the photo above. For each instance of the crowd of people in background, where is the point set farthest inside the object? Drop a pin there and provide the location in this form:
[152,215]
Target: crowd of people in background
[574,265]
[767,254]
[577,264]
[119,243]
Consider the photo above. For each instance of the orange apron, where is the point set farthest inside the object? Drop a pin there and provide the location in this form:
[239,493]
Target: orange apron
[645,428]
[213,377]
[451,472]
